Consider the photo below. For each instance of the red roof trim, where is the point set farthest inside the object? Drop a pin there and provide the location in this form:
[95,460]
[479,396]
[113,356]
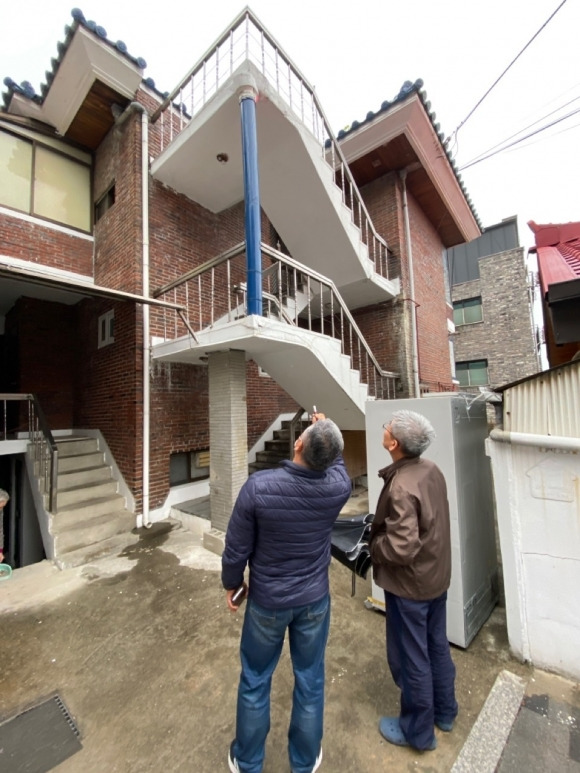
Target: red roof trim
[558,249]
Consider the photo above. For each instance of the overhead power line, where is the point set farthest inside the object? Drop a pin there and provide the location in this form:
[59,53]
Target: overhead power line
[497,80]
[502,145]
[494,152]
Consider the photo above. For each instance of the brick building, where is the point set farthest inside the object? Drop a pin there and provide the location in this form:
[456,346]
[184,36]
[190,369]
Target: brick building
[494,341]
[136,245]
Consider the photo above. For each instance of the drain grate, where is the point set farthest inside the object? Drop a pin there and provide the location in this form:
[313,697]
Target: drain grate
[38,739]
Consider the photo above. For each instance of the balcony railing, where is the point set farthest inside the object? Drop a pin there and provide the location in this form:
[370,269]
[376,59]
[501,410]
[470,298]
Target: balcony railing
[248,40]
[42,448]
[215,293]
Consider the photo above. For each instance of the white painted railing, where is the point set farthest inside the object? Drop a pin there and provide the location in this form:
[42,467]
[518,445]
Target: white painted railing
[215,292]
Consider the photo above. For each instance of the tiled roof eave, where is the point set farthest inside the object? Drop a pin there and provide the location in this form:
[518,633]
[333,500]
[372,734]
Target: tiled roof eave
[408,90]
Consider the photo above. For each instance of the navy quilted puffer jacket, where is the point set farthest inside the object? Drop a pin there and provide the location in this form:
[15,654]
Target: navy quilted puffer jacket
[281,525]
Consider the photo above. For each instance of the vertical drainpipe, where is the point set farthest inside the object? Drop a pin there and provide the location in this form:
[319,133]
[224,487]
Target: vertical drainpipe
[414,344]
[146,313]
[252,222]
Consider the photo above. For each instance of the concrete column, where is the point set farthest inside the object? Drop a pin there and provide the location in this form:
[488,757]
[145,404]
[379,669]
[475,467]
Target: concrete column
[228,433]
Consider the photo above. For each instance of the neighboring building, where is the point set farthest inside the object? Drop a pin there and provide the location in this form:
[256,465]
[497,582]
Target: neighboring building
[558,254]
[494,339]
[156,300]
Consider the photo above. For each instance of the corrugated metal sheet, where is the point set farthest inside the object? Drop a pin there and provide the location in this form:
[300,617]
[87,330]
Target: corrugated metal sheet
[548,404]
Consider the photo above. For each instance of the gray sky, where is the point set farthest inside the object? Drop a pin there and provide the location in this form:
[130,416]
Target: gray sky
[357,54]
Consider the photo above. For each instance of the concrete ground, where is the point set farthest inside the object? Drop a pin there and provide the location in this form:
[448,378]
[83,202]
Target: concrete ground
[144,654]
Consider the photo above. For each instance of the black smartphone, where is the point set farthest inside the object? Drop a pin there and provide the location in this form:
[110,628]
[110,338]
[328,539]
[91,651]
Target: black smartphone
[239,595]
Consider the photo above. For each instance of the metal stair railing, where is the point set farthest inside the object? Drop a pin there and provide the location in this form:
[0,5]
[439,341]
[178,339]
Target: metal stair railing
[248,39]
[214,293]
[44,450]
[295,429]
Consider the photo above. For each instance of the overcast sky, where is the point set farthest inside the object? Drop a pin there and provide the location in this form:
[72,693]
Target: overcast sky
[357,54]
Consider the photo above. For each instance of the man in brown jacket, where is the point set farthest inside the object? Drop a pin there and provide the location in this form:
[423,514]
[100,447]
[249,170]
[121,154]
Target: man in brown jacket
[410,547]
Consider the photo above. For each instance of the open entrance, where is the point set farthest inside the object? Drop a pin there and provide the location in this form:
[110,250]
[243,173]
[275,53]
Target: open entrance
[21,531]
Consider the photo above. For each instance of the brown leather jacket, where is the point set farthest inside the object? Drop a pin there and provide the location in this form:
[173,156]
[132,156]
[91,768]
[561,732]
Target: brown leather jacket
[410,541]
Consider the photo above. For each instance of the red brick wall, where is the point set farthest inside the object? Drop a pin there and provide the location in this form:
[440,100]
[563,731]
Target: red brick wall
[41,243]
[432,309]
[47,355]
[182,235]
[109,394]
[118,241]
[387,327]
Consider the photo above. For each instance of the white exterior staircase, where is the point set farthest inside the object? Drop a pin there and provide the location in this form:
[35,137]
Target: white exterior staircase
[310,197]
[306,188]
[309,366]
[91,519]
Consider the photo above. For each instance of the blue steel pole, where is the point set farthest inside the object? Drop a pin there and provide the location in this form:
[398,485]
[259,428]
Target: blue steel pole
[252,202]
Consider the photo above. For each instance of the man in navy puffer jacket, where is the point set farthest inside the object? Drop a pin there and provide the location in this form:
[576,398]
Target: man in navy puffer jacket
[281,526]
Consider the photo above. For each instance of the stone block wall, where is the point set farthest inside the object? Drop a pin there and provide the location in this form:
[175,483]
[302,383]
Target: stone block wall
[505,336]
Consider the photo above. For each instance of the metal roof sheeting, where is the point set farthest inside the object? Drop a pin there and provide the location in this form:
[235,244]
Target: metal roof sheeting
[546,404]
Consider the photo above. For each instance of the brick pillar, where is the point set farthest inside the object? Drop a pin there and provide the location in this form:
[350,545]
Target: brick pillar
[228,433]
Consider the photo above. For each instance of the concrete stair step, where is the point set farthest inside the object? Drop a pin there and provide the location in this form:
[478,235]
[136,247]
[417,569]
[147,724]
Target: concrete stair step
[91,531]
[271,456]
[85,477]
[88,553]
[79,494]
[286,426]
[75,446]
[80,462]
[90,508]
[255,466]
[278,445]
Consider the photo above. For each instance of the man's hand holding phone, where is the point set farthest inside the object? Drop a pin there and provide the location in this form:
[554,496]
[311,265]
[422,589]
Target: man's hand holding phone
[236,597]
[316,416]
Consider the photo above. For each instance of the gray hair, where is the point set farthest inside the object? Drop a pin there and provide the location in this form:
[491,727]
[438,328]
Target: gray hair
[413,432]
[322,443]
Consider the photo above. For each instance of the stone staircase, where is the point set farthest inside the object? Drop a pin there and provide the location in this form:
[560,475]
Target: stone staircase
[91,519]
[276,449]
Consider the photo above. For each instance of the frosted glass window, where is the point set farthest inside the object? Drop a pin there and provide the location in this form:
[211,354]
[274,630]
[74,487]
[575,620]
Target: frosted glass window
[62,189]
[15,172]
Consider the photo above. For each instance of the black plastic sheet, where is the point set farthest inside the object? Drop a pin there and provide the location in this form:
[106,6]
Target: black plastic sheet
[349,543]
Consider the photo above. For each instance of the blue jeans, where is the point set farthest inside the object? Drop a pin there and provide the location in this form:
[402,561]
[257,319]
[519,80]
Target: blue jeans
[420,662]
[260,648]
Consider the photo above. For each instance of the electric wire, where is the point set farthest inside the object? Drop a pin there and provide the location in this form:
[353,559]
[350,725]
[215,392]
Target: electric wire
[497,80]
[521,139]
[502,145]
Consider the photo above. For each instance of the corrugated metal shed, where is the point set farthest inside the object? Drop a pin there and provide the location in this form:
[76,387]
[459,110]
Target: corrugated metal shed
[547,403]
